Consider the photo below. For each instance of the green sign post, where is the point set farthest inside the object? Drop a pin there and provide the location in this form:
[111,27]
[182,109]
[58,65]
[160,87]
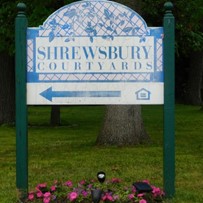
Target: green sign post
[169,120]
[21,102]
[21,106]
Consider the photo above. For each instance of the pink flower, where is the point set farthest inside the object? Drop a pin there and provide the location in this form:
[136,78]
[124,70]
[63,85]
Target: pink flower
[107,197]
[140,195]
[84,193]
[41,185]
[31,196]
[142,201]
[82,182]
[115,180]
[69,183]
[116,197]
[47,197]
[53,188]
[46,200]
[90,186]
[73,196]
[39,194]
[146,181]
[47,194]
[157,191]
[133,189]
[131,196]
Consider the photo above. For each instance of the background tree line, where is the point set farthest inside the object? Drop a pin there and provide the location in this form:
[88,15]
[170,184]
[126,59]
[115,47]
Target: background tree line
[189,50]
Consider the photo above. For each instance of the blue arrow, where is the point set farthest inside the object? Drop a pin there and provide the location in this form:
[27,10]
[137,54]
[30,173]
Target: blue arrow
[49,94]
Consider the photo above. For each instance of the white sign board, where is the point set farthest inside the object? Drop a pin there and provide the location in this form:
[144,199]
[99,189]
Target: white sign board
[94,52]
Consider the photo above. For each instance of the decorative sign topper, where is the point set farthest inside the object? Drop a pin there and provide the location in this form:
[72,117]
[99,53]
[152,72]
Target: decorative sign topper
[94,52]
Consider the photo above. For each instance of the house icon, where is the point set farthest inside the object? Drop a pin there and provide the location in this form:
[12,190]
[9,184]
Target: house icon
[143,94]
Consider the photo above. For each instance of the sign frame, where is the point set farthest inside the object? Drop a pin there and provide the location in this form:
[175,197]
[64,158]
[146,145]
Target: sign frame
[94,46]
[21,26]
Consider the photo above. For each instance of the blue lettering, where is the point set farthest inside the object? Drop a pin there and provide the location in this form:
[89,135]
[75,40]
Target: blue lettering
[112,66]
[52,66]
[41,52]
[149,66]
[102,52]
[89,65]
[40,66]
[51,53]
[100,65]
[121,53]
[75,53]
[136,52]
[146,52]
[64,51]
[124,66]
[88,51]
[112,53]
[65,67]
[77,66]
[137,65]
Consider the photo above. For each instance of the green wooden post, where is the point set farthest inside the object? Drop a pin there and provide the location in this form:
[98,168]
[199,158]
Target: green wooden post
[169,102]
[21,106]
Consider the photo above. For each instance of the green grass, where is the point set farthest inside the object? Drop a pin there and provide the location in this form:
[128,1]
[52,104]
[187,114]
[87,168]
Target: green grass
[68,151]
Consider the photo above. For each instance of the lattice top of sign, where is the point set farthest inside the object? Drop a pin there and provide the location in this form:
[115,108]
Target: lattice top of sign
[94,18]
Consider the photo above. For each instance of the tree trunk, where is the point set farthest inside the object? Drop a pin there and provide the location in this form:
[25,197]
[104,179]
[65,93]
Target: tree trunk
[123,125]
[55,119]
[194,85]
[7,88]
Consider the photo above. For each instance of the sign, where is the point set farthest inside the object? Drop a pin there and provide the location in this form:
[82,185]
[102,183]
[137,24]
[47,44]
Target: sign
[94,52]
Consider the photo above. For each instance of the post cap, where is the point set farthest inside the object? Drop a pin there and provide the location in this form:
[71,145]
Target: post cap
[168,6]
[21,7]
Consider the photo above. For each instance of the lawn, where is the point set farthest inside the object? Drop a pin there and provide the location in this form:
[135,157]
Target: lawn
[69,151]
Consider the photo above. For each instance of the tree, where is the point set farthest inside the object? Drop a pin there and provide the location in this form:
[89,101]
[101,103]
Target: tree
[36,15]
[194,86]
[189,45]
[123,124]
[7,86]
[7,78]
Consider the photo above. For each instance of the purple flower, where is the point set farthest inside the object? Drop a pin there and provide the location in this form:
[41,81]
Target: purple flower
[69,183]
[84,193]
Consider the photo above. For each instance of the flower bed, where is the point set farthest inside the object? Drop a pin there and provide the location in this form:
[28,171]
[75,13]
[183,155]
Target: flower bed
[112,190]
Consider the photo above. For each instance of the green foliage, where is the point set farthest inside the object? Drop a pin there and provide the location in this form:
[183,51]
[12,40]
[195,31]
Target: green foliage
[7,16]
[189,26]
[189,22]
